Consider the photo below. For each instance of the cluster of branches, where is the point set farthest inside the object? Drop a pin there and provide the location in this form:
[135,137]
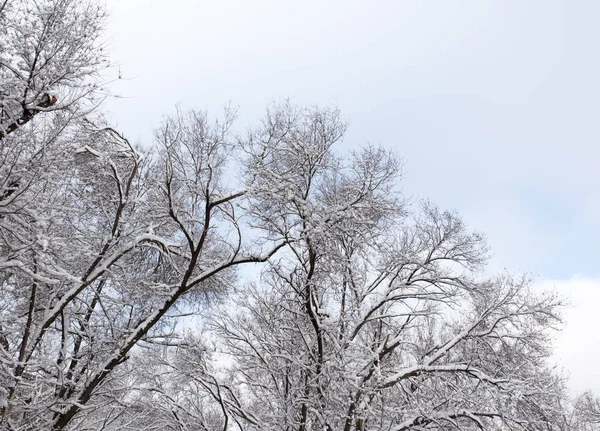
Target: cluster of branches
[364,313]
[374,316]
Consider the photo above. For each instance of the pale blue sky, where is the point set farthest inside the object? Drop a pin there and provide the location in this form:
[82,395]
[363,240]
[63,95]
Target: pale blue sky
[494,105]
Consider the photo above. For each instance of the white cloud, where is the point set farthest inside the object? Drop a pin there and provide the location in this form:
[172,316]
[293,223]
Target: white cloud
[577,346]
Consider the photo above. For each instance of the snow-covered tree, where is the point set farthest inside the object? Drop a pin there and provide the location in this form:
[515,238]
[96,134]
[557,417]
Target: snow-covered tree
[50,56]
[101,252]
[583,414]
[375,315]
[378,316]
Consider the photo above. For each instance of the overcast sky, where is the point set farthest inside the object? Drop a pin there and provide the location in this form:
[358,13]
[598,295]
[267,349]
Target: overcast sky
[493,105]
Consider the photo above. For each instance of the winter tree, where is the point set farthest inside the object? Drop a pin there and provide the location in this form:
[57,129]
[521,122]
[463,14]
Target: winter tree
[375,315]
[101,244]
[583,413]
